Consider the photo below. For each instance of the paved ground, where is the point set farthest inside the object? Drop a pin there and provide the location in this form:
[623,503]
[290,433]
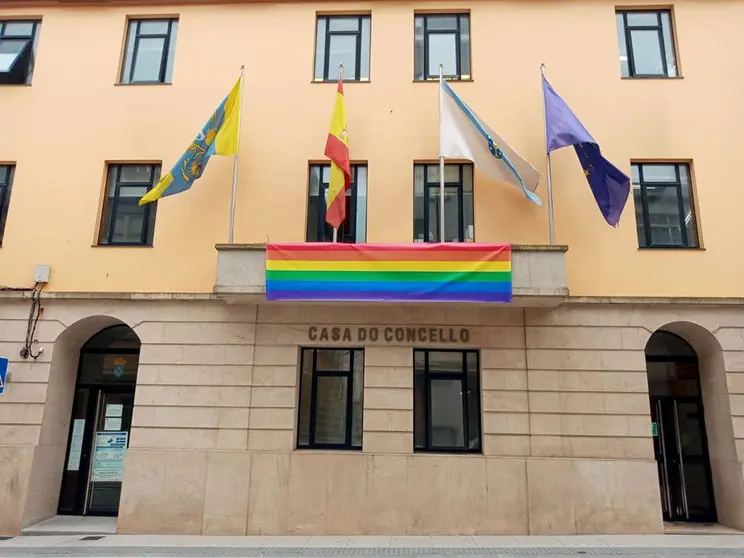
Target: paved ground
[124,546]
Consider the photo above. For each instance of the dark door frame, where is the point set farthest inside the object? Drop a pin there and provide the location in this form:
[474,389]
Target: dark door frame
[698,400]
[94,389]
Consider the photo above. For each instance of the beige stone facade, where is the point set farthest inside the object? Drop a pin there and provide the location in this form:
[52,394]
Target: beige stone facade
[566,431]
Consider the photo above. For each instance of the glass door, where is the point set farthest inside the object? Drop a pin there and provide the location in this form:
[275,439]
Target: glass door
[682,459]
[110,442]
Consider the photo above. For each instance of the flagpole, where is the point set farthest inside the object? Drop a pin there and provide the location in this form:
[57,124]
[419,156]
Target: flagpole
[441,160]
[551,216]
[341,79]
[234,195]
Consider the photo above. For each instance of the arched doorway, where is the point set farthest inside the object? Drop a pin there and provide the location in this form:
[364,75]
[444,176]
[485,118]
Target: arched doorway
[100,423]
[678,428]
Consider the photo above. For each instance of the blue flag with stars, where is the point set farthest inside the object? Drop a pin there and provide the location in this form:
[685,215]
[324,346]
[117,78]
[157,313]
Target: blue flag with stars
[609,185]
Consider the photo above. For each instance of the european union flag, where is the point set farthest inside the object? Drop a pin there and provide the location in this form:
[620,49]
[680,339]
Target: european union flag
[609,185]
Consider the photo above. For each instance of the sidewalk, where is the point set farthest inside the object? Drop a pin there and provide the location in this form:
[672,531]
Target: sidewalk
[370,546]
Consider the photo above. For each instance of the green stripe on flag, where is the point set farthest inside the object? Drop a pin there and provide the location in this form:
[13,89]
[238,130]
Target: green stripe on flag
[384,276]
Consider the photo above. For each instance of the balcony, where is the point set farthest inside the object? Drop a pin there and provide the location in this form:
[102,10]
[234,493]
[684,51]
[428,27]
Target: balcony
[538,274]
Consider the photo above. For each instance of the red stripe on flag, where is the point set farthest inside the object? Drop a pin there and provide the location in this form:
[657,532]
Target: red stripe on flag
[338,152]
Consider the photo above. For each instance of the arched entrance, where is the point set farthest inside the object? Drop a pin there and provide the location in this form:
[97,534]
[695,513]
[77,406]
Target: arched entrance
[100,423]
[678,428]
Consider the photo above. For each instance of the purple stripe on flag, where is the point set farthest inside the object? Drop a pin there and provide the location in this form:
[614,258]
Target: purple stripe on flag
[388,296]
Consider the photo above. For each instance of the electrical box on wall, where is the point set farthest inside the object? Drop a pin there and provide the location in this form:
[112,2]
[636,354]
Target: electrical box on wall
[42,273]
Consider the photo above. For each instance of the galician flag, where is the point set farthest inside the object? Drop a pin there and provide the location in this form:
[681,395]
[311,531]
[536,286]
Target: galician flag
[462,135]
[337,150]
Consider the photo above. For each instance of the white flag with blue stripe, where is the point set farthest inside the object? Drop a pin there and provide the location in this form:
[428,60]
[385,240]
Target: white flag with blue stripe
[462,135]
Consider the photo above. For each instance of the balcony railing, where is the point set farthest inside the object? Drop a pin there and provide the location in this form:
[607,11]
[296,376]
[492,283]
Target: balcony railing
[538,274]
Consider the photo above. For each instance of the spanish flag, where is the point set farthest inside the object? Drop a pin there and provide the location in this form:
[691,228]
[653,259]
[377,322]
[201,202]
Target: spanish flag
[337,150]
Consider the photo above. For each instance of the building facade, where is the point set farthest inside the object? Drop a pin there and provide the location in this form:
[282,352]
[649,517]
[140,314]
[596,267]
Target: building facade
[151,380]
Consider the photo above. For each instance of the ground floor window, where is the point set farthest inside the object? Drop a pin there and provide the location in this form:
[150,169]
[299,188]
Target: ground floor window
[331,398]
[446,402]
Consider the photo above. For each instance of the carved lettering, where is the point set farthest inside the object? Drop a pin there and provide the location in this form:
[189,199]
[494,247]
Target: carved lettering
[312,333]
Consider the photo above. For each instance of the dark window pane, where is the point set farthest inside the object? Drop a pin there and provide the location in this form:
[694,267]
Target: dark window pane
[665,210]
[437,23]
[688,207]
[3,174]
[364,58]
[9,53]
[443,50]
[464,47]
[419,204]
[327,397]
[671,58]
[320,38]
[5,187]
[622,45]
[330,425]
[19,29]
[149,59]
[343,24]
[124,221]
[447,414]
[647,52]
[155,27]
[306,391]
[420,403]
[342,50]
[333,360]
[643,19]
[446,401]
[418,49]
[354,227]
[135,173]
[445,361]
[150,51]
[640,227]
[357,401]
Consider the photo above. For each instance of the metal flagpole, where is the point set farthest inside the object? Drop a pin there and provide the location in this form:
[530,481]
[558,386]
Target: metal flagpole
[231,235]
[551,216]
[341,79]
[441,160]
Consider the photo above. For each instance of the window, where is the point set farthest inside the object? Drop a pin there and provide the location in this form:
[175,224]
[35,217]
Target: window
[124,222]
[6,181]
[17,48]
[150,50]
[354,227]
[665,212]
[342,39]
[646,44]
[441,39]
[446,401]
[458,203]
[331,389]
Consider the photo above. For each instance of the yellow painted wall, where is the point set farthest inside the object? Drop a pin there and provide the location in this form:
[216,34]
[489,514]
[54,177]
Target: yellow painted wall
[62,130]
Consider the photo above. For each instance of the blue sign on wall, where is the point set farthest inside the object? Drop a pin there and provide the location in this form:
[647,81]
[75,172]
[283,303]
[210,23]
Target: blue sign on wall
[3,373]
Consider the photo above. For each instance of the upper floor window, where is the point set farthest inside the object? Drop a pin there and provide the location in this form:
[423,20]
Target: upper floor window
[646,43]
[17,49]
[6,182]
[664,208]
[354,227]
[123,221]
[446,401]
[342,39]
[150,50]
[441,39]
[458,203]
[331,392]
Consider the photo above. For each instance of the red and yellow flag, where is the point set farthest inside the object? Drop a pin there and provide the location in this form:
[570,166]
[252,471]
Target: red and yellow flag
[337,150]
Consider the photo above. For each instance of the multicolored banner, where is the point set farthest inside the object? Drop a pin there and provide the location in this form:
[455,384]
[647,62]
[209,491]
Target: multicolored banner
[451,272]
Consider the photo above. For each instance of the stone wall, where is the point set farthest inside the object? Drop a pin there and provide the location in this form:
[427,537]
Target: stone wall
[566,429]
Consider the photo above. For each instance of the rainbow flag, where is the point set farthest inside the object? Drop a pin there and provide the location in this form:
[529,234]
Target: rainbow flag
[389,272]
